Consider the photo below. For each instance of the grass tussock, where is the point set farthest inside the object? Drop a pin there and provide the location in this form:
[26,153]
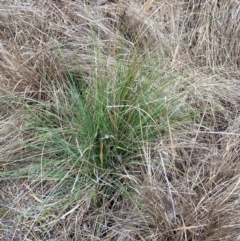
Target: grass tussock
[119,121]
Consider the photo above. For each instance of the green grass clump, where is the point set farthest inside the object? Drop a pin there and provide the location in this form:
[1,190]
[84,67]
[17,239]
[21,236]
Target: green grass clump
[86,137]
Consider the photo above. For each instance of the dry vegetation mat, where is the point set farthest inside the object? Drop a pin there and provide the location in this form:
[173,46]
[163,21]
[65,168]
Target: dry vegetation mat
[119,120]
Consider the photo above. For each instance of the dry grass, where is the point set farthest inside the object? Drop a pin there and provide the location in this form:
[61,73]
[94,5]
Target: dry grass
[181,185]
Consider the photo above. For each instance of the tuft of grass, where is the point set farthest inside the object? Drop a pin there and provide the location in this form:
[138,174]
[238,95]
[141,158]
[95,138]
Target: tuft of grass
[89,128]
